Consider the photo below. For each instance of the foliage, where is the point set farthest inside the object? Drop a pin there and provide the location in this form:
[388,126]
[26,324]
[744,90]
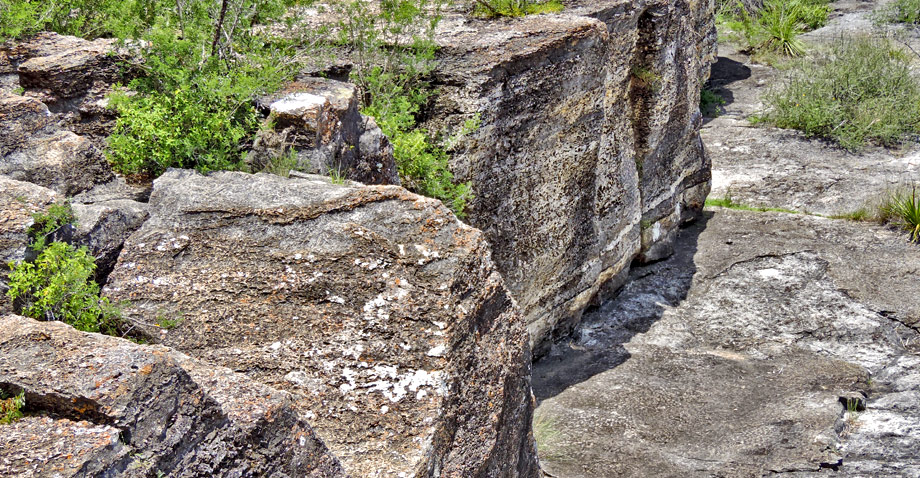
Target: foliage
[393,50]
[729,203]
[900,11]
[47,223]
[11,408]
[193,106]
[83,18]
[515,8]
[902,209]
[776,26]
[863,91]
[57,286]
[710,102]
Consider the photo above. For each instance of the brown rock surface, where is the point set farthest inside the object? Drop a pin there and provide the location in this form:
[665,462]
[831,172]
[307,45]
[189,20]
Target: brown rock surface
[102,406]
[379,311]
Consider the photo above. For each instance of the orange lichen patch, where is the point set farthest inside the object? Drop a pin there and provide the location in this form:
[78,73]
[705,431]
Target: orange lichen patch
[147,369]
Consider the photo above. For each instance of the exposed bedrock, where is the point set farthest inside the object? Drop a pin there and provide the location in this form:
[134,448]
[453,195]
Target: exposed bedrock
[588,155]
[375,308]
[102,406]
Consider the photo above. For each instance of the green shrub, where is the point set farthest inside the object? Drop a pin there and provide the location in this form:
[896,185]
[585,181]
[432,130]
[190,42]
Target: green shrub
[515,8]
[47,223]
[902,209]
[394,52]
[57,286]
[862,91]
[83,18]
[11,407]
[900,11]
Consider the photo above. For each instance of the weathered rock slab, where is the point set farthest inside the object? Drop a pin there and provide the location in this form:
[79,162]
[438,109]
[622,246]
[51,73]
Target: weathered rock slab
[379,311]
[103,406]
[737,356]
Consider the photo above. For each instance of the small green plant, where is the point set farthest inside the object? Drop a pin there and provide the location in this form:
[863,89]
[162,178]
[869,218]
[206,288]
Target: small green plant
[902,209]
[19,90]
[283,164]
[47,223]
[775,26]
[11,407]
[646,78]
[710,102]
[167,323]
[864,91]
[515,8]
[859,215]
[728,203]
[58,286]
[336,176]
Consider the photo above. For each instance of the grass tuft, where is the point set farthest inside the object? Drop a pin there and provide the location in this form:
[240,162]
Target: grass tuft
[900,11]
[773,28]
[902,209]
[728,203]
[11,408]
[862,92]
[515,8]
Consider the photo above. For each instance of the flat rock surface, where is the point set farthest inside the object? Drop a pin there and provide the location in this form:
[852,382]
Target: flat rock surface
[771,343]
[731,358]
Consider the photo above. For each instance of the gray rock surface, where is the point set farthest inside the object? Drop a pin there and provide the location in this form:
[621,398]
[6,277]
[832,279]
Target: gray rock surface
[736,357]
[318,119]
[588,154]
[103,228]
[375,308]
[63,161]
[103,406]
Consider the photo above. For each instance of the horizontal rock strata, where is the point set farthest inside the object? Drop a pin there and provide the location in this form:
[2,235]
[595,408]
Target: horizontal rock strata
[379,311]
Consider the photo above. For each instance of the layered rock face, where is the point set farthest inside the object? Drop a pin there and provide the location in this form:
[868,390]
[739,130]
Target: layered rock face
[102,406]
[588,155]
[375,308]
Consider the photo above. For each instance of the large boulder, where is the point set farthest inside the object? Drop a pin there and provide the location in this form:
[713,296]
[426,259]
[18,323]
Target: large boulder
[103,227]
[318,119]
[63,161]
[103,406]
[375,308]
[588,153]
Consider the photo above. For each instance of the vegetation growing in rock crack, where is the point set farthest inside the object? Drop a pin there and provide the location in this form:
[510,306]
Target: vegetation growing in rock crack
[58,284]
[11,407]
[515,8]
[729,203]
[901,208]
[393,50]
[862,91]
[710,102]
[775,27]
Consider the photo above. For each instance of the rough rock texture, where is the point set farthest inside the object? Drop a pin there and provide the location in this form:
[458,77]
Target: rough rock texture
[102,406]
[737,356]
[588,154]
[71,75]
[18,201]
[319,119]
[63,161]
[103,227]
[379,311]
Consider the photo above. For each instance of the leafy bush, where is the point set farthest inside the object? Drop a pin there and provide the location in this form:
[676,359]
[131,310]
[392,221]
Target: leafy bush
[900,11]
[862,91]
[515,8]
[47,223]
[11,408]
[394,52]
[193,107]
[83,18]
[776,26]
[902,209]
[57,286]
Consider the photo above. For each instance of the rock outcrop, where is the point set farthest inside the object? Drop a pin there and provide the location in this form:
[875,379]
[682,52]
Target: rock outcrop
[375,308]
[102,406]
[588,155]
[318,120]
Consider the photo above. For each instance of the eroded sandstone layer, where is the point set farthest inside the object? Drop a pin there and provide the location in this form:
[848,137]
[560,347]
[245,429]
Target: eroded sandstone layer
[380,312]
[588,153]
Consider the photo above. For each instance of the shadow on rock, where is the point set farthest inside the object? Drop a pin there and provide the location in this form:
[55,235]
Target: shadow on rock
[597,345]
[725,71]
